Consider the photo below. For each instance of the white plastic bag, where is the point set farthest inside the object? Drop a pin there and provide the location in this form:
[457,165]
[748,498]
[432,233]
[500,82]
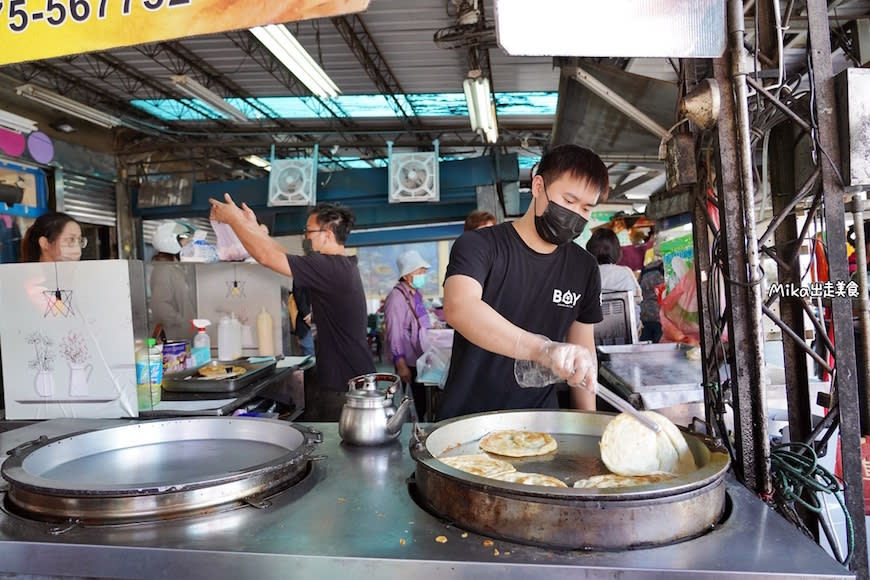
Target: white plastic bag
[198,250]
[229,247]
[433,363]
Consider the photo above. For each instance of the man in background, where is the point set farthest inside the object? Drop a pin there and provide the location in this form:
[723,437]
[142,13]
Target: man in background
[302,326]
[478,219]
[333,282]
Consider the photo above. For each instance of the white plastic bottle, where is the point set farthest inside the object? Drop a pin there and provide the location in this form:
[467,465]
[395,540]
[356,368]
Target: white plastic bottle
[265,342]
[229,338]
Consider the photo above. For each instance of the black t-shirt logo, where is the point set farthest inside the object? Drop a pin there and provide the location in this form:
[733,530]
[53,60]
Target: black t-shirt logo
[565,298]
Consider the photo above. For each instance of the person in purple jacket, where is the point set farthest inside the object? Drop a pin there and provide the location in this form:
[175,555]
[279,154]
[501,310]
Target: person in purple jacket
[407,322]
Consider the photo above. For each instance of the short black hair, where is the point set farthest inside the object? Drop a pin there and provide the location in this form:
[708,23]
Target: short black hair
[604,245]
[578,162]
[338,218]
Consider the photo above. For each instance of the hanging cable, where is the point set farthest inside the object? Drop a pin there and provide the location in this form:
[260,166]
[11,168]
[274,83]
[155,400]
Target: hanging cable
[798,479]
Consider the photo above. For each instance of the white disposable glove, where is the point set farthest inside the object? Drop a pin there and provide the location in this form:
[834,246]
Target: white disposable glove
[541,362]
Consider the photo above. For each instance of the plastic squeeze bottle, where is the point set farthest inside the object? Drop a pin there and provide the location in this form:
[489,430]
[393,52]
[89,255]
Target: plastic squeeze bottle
[265,342]
[201,351]
[229,338]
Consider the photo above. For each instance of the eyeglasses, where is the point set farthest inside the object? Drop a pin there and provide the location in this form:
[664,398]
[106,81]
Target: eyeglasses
[73,242]
[307,232]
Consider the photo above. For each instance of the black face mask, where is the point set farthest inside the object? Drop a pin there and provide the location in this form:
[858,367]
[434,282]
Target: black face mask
[308,248]
[558,225]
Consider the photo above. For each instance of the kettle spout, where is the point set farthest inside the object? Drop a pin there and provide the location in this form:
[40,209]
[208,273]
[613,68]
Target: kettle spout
[394,424]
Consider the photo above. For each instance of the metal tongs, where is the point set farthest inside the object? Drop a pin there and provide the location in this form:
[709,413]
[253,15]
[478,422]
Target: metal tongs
[531,374]
[626,407]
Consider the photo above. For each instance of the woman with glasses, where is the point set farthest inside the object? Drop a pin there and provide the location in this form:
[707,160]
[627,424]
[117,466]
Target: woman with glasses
[53,237]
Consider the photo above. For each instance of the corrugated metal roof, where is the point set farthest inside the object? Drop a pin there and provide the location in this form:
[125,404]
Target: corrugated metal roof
[404,35]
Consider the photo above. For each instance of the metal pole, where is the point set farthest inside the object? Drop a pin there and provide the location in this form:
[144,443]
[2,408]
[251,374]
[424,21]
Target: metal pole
[845,379]
[738,225]
[863,299]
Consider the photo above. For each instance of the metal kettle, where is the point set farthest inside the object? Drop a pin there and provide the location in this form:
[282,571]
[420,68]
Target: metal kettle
[368,416]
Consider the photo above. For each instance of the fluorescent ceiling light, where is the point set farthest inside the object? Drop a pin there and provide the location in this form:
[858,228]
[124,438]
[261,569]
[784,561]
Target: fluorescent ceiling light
[258,161]
[481,110]
[193,89]
[278,40]
[68,106]
[17,123]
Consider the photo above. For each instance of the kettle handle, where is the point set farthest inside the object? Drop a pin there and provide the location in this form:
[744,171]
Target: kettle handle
[369,382]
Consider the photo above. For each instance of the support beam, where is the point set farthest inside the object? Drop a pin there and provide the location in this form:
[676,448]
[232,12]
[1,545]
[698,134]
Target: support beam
[619,103]
[362,45]
[845,378]
[737,211]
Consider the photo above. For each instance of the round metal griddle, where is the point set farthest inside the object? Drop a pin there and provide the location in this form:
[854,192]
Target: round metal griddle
[564,518]
[156,469]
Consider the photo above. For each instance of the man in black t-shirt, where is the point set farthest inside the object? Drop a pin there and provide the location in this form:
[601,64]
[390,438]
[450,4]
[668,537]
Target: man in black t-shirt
[524,291]
[334,287]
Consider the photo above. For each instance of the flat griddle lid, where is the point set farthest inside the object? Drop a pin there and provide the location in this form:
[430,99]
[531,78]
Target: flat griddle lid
[152,457]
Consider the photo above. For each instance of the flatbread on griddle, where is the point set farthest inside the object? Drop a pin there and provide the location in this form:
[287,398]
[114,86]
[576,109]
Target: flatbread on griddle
[221,371]
[482,464]
[531,479]
[516,443]
[630,448]
[611,480]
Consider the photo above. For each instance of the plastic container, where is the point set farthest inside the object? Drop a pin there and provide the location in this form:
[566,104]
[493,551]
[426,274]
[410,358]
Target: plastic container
[149,374]
[265,342]
[201,351]
[229,338]
[175,355]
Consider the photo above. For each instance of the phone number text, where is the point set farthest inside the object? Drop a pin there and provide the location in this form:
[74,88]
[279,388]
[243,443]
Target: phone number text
[59,12]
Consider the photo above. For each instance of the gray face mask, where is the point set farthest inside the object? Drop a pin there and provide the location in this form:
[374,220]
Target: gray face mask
[308,248]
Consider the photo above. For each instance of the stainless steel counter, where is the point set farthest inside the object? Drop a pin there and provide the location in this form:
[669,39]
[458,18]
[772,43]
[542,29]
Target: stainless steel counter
[659,376]
[352,517]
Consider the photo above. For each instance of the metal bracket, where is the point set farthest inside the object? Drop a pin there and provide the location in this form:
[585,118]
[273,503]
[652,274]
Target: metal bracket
[311,433]
[418,436]
[15,451]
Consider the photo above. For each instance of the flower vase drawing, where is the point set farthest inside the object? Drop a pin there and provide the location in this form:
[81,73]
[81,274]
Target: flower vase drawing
[79,374]
[75,351]
[43,382]
[42,363]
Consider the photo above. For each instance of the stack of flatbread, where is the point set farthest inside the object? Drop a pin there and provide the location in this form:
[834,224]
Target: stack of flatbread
[630,448]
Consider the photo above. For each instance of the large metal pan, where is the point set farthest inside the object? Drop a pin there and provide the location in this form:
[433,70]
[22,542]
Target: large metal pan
[191,381]
[564,518]
[156,469]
